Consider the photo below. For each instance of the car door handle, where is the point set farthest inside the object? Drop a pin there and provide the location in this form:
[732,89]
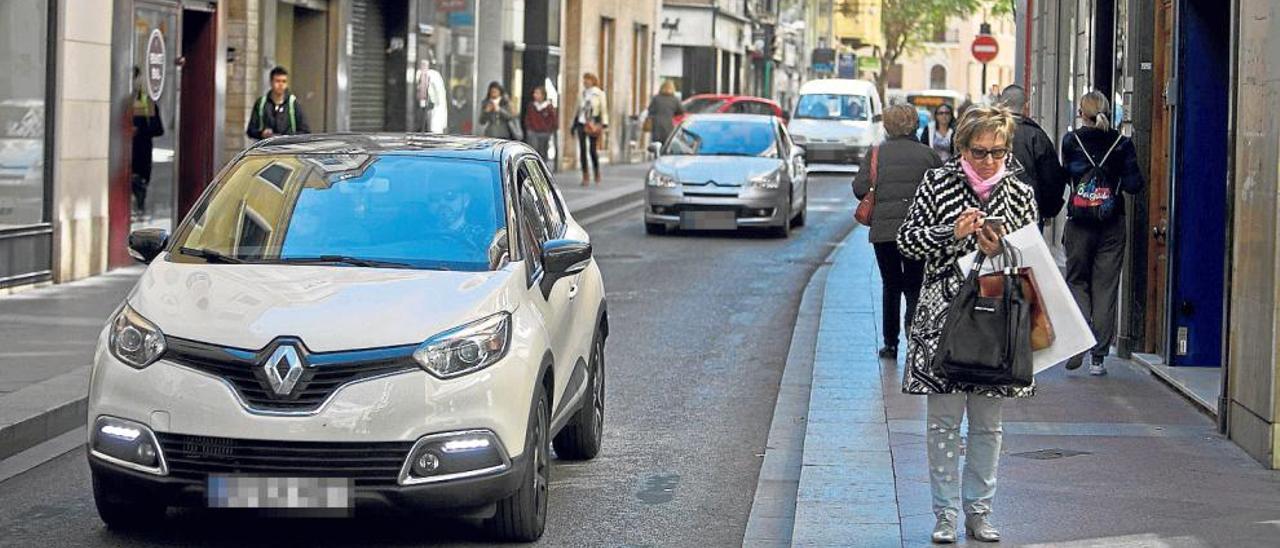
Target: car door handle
[573,291]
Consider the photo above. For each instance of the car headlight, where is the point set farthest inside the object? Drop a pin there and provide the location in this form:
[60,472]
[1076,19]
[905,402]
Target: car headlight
[661,181]
[855,140]
[466,349]
[799,139]
[767,182]
[134,340]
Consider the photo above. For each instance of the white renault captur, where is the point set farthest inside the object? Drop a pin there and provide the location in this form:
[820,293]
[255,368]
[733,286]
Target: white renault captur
[349,320]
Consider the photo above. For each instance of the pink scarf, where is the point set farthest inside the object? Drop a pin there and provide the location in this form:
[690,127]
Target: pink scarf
[977,183]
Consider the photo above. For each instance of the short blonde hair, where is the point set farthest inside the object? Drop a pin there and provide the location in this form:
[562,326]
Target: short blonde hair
[900,120]
[668,88]
[979,120]
[595,80]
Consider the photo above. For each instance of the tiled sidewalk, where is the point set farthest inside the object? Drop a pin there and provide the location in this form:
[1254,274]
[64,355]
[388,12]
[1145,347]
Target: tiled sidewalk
[1120,460]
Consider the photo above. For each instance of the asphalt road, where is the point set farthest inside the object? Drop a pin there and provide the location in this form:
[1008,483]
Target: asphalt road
[701,324]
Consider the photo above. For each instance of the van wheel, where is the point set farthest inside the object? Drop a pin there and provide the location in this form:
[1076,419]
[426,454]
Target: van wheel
[522,516]
[582,437]
[124,513]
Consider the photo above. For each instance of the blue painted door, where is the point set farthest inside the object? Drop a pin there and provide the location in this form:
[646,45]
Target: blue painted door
[1199,240]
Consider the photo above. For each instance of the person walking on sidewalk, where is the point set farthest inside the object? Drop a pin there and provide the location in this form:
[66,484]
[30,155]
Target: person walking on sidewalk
[1102,164]
[589,125]
[147,125]
[663,108]
[496,117]
[1034,151]
[901,163]
[540,121]
[277,112]
[938,134]
[944,223]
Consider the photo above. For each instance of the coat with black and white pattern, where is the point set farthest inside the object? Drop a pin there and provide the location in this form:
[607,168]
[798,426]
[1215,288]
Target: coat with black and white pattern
[928,234]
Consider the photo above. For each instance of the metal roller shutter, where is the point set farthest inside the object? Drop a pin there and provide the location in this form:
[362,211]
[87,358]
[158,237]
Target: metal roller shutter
[368,66]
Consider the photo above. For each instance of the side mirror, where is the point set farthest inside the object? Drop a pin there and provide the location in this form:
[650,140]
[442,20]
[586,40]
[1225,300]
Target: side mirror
[145,244]
[655,149]
[797,151]
[563,258]
[877,118]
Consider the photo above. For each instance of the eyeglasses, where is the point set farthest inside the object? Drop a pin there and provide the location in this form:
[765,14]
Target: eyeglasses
[981,153]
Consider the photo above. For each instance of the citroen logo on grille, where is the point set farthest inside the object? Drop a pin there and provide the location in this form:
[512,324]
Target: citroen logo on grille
[283,369]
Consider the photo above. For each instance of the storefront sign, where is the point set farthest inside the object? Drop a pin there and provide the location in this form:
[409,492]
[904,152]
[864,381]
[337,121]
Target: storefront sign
[823,60]
[155,65]
[452,5]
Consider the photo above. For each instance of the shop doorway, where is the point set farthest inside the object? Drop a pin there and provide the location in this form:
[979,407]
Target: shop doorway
[153,177]
[300,44]
[1199,184]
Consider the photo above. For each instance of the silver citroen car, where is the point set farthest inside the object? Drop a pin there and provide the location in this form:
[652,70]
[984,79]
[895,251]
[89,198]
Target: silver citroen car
[724,172]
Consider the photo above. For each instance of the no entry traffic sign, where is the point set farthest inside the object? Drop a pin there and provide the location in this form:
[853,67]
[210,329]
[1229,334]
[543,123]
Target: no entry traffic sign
[985,48]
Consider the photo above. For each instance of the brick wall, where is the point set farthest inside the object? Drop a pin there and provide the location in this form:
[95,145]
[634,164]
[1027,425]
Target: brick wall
[243,20]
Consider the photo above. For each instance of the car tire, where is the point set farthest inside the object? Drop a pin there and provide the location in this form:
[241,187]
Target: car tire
[582,437]
[799,220]
[122,512]
[522,517]
[655,229]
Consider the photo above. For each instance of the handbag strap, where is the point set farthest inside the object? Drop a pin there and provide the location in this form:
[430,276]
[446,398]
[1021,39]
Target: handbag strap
[875,163]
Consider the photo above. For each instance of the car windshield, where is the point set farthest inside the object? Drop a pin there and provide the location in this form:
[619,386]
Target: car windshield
[827,106]
[350,209]
[703,105]
[725,138]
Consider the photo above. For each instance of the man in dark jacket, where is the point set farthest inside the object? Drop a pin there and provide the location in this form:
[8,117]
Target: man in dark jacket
[900,165]
[1035,152]
[277,112]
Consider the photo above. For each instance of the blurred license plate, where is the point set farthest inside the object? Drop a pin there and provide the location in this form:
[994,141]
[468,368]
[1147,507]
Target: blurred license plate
[708,220]
[279,493]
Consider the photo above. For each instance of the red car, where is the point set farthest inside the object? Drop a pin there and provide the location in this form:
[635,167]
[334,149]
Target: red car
[739,104]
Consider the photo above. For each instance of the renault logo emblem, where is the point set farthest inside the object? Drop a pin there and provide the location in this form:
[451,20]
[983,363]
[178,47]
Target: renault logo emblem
[283,369]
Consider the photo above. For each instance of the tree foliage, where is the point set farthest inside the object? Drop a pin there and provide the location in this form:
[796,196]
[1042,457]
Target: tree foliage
[908,24]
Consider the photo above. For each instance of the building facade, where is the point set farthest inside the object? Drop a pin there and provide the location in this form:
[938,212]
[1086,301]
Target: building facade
[1190,82]
[946,62]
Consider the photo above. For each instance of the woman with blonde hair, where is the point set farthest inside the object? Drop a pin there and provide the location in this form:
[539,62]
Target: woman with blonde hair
[946,221]
[1103,166]
[590,124]
[663,109]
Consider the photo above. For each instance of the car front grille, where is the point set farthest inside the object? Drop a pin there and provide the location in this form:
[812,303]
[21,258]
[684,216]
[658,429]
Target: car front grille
[323,374]
[195,458]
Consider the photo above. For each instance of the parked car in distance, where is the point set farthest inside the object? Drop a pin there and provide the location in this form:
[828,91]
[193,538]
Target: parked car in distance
[708,103]
[727,171]
[350,321]
[837,121]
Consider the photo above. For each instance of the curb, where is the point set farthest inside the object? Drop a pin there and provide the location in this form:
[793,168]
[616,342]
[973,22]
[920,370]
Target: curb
[45,410]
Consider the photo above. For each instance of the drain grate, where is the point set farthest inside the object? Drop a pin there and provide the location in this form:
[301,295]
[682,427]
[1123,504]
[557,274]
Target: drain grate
[1050,454]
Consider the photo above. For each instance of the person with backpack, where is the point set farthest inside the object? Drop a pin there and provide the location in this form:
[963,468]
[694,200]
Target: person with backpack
[1103,166]
[277,112]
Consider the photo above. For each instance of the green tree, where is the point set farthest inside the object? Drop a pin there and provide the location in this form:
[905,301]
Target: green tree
[909,24]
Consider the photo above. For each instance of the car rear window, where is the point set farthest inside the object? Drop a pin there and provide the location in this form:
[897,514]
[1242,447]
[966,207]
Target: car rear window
[702,106]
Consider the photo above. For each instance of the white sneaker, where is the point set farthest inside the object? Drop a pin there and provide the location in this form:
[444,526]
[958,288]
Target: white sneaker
[1096,368]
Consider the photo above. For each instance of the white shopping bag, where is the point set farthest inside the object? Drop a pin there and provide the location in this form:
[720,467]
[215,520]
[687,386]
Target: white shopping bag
[1071,332]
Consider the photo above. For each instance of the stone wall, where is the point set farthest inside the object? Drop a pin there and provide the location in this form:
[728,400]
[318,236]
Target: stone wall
[82,135]
[243,20]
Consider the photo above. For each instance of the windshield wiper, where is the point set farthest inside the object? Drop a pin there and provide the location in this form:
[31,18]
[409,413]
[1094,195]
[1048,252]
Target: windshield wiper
[345,259]
[210,256]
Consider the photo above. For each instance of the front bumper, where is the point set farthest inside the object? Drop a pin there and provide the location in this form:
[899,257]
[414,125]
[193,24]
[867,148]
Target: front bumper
[468,497]
[836,154]
[751,207]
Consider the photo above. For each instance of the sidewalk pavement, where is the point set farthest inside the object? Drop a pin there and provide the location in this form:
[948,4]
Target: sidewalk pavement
[1120,460]
[48,334]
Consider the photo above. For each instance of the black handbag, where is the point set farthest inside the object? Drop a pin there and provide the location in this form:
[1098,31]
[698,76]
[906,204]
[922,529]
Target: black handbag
[987,340]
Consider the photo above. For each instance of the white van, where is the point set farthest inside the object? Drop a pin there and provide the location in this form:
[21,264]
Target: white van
[837,121]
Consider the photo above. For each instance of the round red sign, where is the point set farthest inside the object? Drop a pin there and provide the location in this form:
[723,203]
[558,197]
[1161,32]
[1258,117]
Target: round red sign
[985,48]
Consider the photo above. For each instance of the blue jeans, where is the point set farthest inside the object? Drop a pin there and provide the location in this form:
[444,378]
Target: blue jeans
[982,452]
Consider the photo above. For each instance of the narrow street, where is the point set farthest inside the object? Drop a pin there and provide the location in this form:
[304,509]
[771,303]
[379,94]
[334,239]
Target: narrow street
[701,324]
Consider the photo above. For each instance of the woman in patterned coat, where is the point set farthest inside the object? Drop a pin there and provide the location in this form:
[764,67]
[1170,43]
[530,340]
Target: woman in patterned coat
[944,223]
